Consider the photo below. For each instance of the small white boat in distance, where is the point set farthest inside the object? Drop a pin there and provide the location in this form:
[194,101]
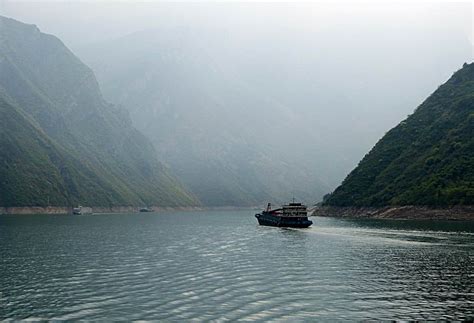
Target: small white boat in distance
[80,210]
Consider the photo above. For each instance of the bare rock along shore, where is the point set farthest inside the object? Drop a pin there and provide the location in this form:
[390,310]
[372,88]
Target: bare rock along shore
[19,210]
[398,212]
[94,209]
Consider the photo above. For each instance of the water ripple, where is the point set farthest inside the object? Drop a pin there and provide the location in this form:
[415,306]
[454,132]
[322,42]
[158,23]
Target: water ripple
[220,266]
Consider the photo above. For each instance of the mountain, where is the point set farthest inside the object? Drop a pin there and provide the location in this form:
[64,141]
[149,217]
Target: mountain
[226,141]
[37,171]
[243,114]
[428,159]
[61,141]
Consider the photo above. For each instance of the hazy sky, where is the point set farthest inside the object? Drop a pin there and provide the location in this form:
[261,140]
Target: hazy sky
[79,22]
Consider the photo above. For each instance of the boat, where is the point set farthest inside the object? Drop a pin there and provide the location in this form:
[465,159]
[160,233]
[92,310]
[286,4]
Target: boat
[82,210]
[145,209]
[292,215]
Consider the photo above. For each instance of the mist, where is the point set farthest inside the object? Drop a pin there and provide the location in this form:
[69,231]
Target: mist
[248,102]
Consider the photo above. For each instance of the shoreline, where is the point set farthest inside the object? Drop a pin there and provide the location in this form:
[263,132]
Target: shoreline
[66,210]
[409,212]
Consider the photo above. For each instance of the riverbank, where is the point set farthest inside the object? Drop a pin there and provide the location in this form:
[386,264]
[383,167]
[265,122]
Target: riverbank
[24,210]
[398,212]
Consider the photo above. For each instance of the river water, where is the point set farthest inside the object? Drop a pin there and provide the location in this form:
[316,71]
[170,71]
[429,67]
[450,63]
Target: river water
[221,265]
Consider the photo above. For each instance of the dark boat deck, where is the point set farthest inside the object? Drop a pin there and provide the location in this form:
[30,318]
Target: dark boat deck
[269,219]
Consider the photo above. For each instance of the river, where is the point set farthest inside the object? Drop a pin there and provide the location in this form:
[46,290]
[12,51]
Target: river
[220,265]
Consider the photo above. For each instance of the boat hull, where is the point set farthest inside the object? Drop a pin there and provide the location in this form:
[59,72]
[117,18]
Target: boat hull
[286,222]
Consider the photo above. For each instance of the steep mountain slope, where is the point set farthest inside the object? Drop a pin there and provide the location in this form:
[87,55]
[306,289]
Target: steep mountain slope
[428,159]
[223,139]
[36,171]
[43,79]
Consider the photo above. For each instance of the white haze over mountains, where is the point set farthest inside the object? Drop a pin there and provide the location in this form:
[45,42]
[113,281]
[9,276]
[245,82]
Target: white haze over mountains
[260,92]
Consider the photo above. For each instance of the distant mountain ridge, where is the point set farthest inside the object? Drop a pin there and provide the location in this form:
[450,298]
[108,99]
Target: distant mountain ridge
[428,159]
[226,141]
[244,115]
[62,143]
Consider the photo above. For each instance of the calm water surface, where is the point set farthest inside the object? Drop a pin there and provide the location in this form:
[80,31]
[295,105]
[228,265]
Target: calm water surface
[223,266]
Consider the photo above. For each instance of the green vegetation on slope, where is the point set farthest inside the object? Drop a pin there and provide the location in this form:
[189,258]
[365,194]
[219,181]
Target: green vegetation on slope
[79,149]
[36,171]
[428,159]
